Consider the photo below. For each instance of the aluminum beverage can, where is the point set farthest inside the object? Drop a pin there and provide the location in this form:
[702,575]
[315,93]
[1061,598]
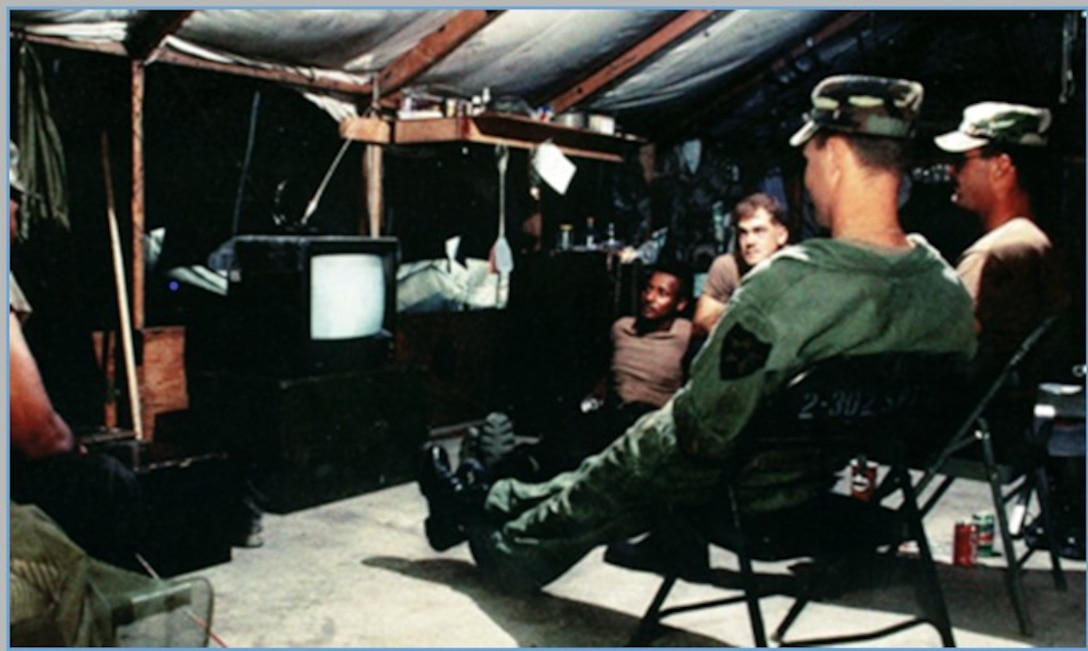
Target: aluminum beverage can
[862,479]
[965,545]
[984,522]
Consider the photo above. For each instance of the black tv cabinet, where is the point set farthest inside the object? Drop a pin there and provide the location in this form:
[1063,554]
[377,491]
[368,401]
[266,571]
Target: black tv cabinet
[315,439]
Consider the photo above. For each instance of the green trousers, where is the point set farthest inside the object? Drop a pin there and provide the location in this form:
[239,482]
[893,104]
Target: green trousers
[535,532]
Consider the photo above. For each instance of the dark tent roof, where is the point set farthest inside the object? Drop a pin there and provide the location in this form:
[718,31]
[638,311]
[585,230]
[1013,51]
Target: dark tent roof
[663,74]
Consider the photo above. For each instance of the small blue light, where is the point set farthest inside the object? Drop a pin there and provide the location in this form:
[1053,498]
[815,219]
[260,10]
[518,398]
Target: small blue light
[173,285]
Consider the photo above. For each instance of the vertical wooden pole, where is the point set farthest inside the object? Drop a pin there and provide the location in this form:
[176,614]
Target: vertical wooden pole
[372,172]
[137,195]
[124,317]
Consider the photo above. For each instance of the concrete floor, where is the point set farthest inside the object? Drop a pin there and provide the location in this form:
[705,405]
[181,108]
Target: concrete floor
[359,573]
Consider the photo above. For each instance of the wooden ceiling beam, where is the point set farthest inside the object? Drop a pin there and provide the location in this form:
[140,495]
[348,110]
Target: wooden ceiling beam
[651,45]
[101,47]
[432,49]
[301,77]
[147,33]
[293,77]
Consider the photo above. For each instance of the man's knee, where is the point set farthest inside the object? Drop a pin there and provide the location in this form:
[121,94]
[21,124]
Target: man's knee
[516,575]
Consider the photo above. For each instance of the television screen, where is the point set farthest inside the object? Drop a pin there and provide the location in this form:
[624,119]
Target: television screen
[311,304]
[347,296]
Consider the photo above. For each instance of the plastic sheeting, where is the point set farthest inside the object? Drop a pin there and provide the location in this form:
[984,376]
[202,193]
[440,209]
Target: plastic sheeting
[530,54]
[751,69]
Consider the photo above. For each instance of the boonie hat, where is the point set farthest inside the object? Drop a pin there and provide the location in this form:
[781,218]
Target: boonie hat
[997,123]
[862,104]
[14,181]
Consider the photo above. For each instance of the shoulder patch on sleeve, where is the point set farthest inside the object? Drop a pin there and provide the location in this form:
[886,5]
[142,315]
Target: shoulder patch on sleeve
[742,354]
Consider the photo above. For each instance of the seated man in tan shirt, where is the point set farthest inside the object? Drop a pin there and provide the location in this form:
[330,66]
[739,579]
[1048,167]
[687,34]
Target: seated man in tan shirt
[1012,272]
[649,348]
[761,232]
[649,364]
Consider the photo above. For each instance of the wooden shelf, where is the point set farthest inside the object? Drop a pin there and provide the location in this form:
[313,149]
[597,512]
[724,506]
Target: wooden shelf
[512,130]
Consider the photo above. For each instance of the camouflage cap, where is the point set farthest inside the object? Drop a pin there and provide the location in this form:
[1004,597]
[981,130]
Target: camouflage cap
[875,106]
[14,180]
[997,123]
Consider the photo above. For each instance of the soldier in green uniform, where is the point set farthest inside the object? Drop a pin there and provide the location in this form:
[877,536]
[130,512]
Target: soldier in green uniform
[869,288]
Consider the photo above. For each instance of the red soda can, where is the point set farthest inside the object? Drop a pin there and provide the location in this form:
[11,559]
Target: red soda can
[862,479]
[965,548]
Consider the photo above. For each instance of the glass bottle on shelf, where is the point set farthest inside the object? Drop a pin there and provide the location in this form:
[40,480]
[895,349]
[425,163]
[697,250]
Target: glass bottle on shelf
[592,241]
[565,242]
[612,244]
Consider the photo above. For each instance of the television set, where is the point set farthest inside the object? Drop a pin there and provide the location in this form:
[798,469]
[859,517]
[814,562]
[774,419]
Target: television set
[312,304]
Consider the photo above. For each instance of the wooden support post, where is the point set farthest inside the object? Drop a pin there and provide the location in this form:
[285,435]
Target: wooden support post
[372,172]
[137,205]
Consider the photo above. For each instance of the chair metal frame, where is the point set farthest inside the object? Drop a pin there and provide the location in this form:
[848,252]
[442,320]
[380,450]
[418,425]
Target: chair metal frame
[873,404]
[1022,482]
[144,599]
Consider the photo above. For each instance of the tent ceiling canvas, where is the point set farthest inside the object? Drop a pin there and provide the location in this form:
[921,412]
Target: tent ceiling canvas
[742,74]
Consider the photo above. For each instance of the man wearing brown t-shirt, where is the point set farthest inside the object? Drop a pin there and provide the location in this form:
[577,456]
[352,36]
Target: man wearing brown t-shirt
[648,366]
[1011,272]
[649,348]
[761,232]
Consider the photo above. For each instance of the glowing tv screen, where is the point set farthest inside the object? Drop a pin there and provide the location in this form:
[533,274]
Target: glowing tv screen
[306,304]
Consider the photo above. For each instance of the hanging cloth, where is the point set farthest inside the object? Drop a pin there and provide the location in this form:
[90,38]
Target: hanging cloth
[41,154]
